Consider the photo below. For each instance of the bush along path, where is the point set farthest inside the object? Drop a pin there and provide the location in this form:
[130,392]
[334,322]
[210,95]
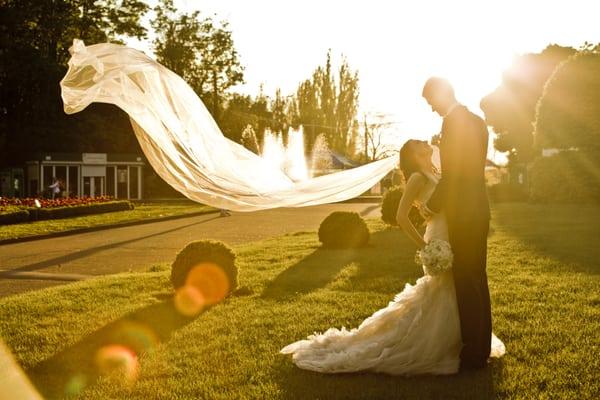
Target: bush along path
[108,218]
[14,211]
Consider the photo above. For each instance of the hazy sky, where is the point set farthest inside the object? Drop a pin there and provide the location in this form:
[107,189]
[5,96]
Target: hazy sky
[396,45]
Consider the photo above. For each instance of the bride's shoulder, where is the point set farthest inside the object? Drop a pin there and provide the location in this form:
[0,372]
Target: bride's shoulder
[417,178]
[416,182]
[424,177]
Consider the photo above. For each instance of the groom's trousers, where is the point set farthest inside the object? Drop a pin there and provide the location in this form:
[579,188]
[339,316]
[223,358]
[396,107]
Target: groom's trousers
[469,245]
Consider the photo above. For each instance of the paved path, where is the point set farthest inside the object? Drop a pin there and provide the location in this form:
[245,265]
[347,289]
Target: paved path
[136,248]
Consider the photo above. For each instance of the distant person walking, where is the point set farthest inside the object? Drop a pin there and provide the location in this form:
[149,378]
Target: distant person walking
[16,188]
[54,188]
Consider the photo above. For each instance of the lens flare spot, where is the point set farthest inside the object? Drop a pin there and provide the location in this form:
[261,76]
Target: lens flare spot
[118,360]
[189,301]
[75,385]
[210,280]
[136,336]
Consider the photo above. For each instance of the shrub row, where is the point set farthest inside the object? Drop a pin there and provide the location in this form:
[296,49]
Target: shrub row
[502,192]
[38,214]
[566,177]
[14,217]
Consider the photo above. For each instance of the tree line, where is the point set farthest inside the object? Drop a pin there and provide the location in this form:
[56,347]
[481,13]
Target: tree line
[528,114]
[35,37]
[546,114]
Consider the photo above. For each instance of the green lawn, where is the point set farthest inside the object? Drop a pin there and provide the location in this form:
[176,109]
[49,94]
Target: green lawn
[141,212]
[543,271]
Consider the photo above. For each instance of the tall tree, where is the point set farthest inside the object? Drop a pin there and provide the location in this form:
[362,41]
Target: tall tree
[200,50]
[346,108]
[34,38]
[249,140]
[326,105]
[568,112]
[50,26]
[280,119]
[177,41]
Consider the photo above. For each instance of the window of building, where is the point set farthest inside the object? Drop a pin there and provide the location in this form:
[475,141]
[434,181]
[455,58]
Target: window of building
[110,181]
[47,175]
[133,183]
[73,182]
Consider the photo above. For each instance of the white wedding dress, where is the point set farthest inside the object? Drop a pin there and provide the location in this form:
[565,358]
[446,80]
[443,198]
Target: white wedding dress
[417,333]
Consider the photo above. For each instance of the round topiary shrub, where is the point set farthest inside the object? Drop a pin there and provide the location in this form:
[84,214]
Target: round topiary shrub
[389,208]
[208,266]
[342,229]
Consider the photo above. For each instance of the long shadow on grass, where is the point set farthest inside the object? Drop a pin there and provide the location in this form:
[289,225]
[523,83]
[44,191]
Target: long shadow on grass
[299,384]
[568,233]
[384,265]
[78,366]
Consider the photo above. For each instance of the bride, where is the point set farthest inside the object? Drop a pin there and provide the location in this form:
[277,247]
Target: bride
[419,331]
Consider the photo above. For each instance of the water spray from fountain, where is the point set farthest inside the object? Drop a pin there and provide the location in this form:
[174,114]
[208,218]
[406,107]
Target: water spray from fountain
[291,158]
[321,157]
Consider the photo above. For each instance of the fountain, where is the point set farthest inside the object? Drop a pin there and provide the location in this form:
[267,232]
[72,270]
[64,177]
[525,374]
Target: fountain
[290,159]
[321,157]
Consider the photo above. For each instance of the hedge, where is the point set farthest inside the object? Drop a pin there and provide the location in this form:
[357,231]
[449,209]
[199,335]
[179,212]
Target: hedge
[503,192]
[38,214]
[14,217]
[566,177]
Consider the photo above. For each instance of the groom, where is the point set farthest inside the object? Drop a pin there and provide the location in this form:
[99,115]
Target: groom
[461,195]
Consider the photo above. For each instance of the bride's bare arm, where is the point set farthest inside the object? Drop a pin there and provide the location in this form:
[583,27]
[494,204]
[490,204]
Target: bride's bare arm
[414,185]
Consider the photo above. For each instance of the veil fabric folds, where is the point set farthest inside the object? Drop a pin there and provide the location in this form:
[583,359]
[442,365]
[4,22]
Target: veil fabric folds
[183,143]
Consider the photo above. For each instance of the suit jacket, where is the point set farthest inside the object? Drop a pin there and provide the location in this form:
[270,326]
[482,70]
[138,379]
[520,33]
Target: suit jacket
[461,192]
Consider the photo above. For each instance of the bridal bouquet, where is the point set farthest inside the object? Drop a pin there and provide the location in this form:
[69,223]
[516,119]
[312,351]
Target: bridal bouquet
[435,257]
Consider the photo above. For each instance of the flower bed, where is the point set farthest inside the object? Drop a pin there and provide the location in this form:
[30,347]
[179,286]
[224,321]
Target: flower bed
[14,211]
[6,202]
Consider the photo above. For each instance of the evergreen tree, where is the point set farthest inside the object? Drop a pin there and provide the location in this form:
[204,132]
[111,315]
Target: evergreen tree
[328,106]
[280,121]
[249,139]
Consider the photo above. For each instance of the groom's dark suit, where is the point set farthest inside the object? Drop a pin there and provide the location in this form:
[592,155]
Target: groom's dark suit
[461,195]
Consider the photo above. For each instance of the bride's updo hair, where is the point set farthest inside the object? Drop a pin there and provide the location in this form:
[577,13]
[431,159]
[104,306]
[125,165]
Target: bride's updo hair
[408,162]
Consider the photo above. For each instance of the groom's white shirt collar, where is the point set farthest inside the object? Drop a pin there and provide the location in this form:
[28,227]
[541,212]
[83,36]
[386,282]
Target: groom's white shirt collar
[452,108]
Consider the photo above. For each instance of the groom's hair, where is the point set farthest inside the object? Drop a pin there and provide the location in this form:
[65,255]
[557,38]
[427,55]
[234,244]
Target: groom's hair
[438,86]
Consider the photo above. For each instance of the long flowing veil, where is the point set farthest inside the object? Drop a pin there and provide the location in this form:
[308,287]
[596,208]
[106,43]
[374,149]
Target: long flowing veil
[183,143]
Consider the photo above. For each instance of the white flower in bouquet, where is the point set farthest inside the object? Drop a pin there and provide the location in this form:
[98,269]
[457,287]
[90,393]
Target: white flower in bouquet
[436,257]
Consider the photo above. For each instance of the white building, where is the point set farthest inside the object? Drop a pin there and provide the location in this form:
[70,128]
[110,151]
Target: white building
[87,174]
